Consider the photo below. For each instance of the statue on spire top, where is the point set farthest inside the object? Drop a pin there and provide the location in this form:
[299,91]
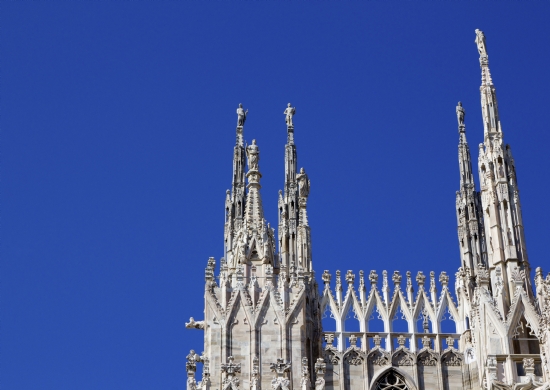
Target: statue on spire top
[289,112]
[460,114]
[480,41]
[253,156]
[241,115]
[303,183]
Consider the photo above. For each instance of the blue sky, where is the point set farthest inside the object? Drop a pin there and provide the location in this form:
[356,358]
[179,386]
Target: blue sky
[118,123]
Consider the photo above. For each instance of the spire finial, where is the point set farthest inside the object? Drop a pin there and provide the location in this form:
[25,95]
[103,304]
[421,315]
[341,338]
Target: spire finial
[253,154]
[241,118]
[460,115]
[241,115]
[481,44]
[289,112]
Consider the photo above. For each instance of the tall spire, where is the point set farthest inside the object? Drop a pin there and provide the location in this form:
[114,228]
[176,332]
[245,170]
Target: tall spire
[500,195]
[468,205]
[254,213]
[235,200]
[294,231]
[249,240]
[489,105]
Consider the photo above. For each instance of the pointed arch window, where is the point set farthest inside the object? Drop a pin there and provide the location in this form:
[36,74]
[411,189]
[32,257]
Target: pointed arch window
[391,381]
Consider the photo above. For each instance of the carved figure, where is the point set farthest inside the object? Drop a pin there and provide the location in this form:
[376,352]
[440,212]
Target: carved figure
[280,381]
[480,42]
[320,384]
[253,153]
[305,382]
[192,324]
[460,113]
[289,112]
[231,369]
[303,183]
[241,115]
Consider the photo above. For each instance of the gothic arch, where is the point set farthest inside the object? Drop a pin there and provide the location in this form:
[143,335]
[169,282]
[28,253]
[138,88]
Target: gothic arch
[379,381]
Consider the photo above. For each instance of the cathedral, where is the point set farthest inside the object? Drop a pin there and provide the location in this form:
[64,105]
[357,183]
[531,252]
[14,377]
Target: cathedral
[264,305]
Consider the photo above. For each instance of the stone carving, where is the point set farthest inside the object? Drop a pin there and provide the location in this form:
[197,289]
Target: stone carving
[401,340]
[451,358]
[444,279]
[303,183]
[191,383]
[331,355]
[373,277]
[528,363]
[289,112]
[396,278]
[353,340]
[402,358]
[326,277]
[379,358]
[255,376]
[427,358]
[518,276]
[280,380]
[305,381]
[350,277]
[426,342]
[420,279]
[338,281]
[192,360]
[460,114]
[241,115]
[470,355]
[353,358]
[450,342]
[480,42]
[191,368]
[320,369]
[230,370]
[192,324]
[253,154]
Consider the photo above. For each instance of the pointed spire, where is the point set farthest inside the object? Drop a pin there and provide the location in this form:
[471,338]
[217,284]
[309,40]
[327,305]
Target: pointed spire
[465,161]
[235,201]
[468,203]
[254,213]
[502,219]
[489,106]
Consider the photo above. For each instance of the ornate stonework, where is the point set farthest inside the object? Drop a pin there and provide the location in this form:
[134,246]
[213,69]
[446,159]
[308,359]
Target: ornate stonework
[263,325]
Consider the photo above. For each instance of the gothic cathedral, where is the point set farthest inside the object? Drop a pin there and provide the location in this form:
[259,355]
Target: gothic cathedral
[263,311]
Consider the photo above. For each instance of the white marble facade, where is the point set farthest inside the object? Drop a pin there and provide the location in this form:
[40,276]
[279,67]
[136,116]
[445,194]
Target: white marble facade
[263,315]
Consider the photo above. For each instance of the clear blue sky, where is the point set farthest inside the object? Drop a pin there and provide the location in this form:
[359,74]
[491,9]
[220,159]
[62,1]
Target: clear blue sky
[117,128]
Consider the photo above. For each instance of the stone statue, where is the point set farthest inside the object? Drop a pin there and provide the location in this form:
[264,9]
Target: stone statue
[193,357]
[460,114]
[253,154]
[480,41]
[192,324]
[303,183]
[289,112]
[241,115]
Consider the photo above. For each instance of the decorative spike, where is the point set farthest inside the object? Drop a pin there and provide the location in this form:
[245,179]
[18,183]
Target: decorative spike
[433,289]
[420,279]
[396,278]
[444,279]
[350,277]
[326,279]
[373,279]
[410,289]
